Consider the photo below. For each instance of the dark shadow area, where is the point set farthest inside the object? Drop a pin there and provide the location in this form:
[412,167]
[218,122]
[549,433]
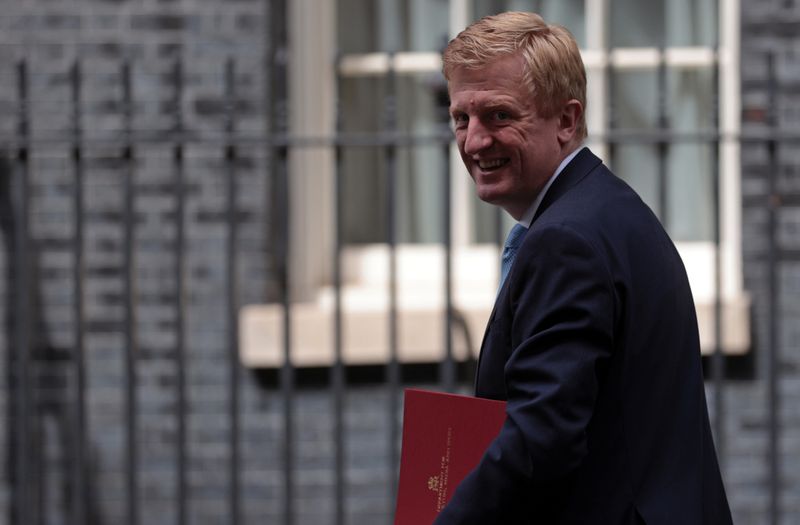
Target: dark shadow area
[366,375]
[737,367]
[51,412]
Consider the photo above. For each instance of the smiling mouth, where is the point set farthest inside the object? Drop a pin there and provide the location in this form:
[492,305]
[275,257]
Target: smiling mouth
[489,165]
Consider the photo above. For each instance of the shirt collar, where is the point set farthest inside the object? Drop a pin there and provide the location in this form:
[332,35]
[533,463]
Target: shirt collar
[527,218]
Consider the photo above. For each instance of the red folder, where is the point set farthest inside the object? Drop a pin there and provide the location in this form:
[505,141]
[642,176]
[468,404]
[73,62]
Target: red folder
[444,438]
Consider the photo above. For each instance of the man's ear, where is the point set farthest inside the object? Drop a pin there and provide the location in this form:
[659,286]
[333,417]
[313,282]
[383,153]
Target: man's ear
[568,121]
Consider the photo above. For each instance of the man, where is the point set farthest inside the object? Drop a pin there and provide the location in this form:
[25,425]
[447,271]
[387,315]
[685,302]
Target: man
[593,340]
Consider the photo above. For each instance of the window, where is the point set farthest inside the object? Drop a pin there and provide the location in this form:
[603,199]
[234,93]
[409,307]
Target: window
[664,66]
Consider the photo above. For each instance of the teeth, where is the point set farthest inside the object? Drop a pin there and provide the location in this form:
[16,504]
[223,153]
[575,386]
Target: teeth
[489,164]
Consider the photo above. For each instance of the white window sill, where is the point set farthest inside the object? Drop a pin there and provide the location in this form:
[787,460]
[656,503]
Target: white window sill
[420,309]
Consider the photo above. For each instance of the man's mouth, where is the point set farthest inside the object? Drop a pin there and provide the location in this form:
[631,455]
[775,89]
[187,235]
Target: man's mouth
[488,165]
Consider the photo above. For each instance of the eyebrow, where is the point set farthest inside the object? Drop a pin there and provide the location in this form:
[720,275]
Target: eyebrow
[495,104]
[488,108]
[496,107]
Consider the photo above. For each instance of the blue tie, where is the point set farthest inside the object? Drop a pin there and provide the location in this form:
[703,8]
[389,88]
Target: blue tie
[510,248]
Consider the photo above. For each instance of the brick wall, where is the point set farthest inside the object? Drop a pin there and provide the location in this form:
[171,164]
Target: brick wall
[768,27]
[151,36]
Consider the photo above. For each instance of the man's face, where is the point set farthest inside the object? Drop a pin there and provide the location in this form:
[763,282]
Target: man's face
[508,149]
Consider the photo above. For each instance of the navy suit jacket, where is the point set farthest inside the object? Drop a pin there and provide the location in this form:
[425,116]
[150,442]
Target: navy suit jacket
[593,343]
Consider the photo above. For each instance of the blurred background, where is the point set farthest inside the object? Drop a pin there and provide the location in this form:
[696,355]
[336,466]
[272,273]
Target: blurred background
[234,231]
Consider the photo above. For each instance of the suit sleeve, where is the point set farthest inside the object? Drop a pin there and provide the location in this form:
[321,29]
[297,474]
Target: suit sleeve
[562,299]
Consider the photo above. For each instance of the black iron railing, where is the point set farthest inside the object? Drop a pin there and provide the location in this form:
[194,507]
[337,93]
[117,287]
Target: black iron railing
[129,143]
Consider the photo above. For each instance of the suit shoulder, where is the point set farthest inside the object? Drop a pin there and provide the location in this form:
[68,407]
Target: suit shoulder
[600,199]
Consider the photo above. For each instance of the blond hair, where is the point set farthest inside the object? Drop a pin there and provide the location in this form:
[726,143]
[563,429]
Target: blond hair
[554,74]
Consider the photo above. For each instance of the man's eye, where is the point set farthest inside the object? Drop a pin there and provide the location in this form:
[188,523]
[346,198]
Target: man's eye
[460,120]
[501,115]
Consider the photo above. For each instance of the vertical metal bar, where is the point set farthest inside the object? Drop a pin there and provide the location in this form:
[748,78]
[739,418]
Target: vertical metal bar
[773,311]
[499,230]
[79,491]
[662,147]
[24,493]
[277,119]
[447,372]
[337,372]
[287,375]
[129,291]
[611,86]
[232,285]
[180,300]
[393,367]
[33,448]
[718,357]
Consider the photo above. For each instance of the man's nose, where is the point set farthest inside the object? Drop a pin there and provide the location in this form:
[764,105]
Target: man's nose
[478,138]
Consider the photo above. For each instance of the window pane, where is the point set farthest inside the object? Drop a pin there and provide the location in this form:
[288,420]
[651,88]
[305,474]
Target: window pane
[635,99]
[420,196]
[366,26]
[485,216]
[421,111]
[568,13]
[634,106]
[663,23]
[689,202]
[363,202]
[691,106]
[423,103]
[689,208]
[363,172]
[429,24]
[687,162]
[691,98]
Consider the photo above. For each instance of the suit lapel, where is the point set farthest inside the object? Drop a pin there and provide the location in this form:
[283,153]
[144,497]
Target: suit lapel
[583,163]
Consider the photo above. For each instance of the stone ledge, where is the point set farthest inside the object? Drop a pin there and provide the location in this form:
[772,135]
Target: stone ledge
[420,332]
